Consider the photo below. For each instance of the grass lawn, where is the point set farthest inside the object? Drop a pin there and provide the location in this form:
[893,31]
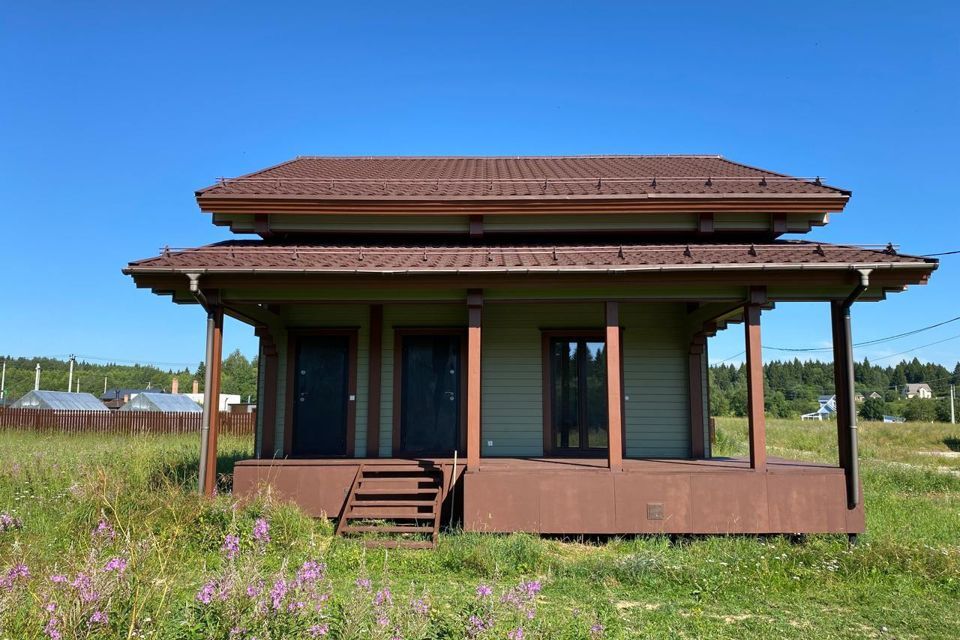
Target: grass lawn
[105,538]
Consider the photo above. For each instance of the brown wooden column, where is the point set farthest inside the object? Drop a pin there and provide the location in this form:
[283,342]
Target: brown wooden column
[267,401]
[211,400]
[840,381]
[697,391]
[755,416]
[614,389]
[375,366]
[474,369]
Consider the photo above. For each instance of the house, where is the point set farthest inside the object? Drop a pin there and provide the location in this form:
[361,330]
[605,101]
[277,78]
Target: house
[226,399]
[59,400]
[526,333]
[894,419]
[858,397]
[921,390]
[828,408]
[875,396]
[162,402]
[116,398]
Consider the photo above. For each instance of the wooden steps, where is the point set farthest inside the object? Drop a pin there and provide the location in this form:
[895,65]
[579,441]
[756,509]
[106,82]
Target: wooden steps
[399,500]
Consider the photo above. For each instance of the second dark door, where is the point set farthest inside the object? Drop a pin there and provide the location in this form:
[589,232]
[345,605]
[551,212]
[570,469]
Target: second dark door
[321,396]
[430,394]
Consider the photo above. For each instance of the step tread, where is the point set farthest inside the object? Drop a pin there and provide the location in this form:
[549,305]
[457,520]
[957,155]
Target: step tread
[393,503]
[395,528]
[398,491]
[387,514]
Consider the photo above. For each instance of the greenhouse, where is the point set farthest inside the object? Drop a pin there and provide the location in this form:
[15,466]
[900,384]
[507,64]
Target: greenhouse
[59,400]
[162,402]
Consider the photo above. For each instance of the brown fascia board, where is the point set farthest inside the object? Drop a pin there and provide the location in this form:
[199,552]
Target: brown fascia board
[310,205]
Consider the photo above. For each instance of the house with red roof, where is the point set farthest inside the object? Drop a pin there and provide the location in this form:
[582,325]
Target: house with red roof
[520,343]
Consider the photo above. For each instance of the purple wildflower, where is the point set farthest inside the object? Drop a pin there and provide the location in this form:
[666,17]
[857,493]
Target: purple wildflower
[363,583]
[420,607]
[84,585]
[278,592]
[206,593]
[59,578]
[484,590]
[383,597]
[51,628]
[16,573]
[116,564]
[254,590]
[596,631]
[9,522]
[310,572]
[476,625]
[382,620]
[50,607]
[98,617]
[318,630]
[231,546]
[104,530]
[532,588]
[261,531]
[516,634]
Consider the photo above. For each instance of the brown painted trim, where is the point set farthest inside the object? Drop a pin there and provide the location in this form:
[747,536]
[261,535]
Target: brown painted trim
[697,351]
[705,222]
[374,378]
[474,377]
[268,408]
[615,422]
[398,335]
[755,416]
[215,365]
[778,221]
[476,227]
[293,336]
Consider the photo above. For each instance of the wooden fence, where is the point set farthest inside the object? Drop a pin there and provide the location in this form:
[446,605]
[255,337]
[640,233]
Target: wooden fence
[120,422]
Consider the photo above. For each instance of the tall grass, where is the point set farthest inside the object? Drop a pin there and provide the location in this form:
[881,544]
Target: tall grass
[902,580]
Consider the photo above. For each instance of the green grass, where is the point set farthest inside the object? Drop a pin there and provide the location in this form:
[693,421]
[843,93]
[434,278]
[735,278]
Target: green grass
[902,580]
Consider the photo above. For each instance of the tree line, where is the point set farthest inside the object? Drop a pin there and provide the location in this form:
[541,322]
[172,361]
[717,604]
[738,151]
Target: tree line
[238,376]
[792,387]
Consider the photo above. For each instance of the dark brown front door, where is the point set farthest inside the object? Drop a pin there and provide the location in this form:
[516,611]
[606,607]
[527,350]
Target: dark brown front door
[578,395]
[430,388]
[321,396]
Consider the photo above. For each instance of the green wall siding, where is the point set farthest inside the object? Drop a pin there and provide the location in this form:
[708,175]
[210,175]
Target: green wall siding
[655,346]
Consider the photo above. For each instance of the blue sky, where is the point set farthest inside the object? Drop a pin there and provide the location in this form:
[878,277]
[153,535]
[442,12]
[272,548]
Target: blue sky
[113,114]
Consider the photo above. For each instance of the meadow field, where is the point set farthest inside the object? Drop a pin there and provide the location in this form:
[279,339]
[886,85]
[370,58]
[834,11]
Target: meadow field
[104,537]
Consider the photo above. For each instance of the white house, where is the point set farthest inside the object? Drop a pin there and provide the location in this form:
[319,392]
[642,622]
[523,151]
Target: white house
[828,407]
[920,390]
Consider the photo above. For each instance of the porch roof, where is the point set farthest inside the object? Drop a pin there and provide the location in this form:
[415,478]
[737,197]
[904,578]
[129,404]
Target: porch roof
[252,256]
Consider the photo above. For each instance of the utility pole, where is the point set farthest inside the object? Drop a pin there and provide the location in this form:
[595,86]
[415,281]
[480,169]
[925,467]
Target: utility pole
[104,385]
[78,384]
[73,359]
[3,382]
[36,381]
[953,399]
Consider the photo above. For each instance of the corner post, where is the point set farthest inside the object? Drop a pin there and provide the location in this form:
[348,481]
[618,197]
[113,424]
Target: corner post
[267,396]
[756,419]
[211,401]
[474,369]
[697,353]
[614,386]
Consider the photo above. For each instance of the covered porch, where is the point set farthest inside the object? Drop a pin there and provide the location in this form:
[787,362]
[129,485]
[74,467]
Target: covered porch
[532,389]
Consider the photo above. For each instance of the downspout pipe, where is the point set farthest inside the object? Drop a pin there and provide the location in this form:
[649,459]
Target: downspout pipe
[852,463]
[207,379]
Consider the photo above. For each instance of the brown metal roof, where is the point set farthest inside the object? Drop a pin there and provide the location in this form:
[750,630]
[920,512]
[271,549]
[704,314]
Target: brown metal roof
[256,256]
[506,178]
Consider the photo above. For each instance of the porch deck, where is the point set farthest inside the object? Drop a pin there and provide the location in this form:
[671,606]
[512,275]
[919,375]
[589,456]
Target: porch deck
[580,495]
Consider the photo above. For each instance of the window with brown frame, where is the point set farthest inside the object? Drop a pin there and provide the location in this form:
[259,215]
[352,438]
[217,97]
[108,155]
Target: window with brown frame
[575,375]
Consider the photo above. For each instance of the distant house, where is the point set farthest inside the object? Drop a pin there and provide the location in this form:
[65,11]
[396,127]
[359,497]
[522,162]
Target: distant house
[875,396]
[828,407]
[61,400]
[858,397]
[162,402]
[226,399]
[920,390]
[896,419]
[116,398]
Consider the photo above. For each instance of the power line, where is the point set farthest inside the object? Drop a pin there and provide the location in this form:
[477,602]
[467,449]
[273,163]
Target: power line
[942,253]
[923,346]
[865,343]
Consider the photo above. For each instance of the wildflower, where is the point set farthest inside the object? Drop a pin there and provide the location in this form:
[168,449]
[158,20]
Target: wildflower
[84,585]
[483,591]
[116,564]
[231,546]
[516,634]
[16,573]
[310,572]
[363,583]
[261,531]
[50,607]
[58,578]
[254,590]
[278,592]
[420,607]
[382,620]
[51,628]
[318,630]
[383,596]
[596,631]
[476,625]
[98,617]
[9,523]
[206,593]
[104,530]
[531,588]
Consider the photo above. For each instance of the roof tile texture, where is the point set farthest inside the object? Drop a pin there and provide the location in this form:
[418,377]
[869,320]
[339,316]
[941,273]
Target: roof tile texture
[440,178]
[246,255]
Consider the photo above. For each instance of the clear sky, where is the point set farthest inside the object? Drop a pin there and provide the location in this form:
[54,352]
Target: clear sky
[112,114]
